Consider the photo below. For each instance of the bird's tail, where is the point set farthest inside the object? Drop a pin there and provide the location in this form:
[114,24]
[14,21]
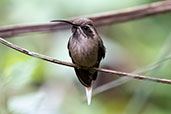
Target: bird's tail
[89,94]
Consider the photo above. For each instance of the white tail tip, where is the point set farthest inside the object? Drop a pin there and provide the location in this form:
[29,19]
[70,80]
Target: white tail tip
[89,94]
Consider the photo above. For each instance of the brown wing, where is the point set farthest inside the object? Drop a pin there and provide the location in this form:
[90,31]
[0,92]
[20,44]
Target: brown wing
[101,54]
[102,50]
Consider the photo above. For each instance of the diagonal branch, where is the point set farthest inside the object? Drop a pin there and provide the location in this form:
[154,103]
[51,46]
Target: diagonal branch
[107,18]
[52,60]
[123,80]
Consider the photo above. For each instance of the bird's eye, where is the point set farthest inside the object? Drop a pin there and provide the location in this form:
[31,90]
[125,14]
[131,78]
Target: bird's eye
[86,29]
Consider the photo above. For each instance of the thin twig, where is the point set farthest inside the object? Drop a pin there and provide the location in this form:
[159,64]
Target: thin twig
[123,80]
[163,58]
[107,18]
[52,60]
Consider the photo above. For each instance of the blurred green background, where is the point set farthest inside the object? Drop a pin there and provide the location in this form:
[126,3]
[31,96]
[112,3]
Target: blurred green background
[33,86]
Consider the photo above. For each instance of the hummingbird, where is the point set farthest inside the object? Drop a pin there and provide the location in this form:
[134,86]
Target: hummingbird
[86,50]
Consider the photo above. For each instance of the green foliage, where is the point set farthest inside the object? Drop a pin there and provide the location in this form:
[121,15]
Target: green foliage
[32,86]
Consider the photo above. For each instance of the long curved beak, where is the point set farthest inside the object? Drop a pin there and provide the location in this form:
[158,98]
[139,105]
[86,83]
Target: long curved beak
[65,21]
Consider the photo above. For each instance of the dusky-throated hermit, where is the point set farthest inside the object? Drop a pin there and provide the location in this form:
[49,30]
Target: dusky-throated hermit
[86,49]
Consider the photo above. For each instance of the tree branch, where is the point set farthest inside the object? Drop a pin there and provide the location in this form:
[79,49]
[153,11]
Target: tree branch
[52,60]
[115,17]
